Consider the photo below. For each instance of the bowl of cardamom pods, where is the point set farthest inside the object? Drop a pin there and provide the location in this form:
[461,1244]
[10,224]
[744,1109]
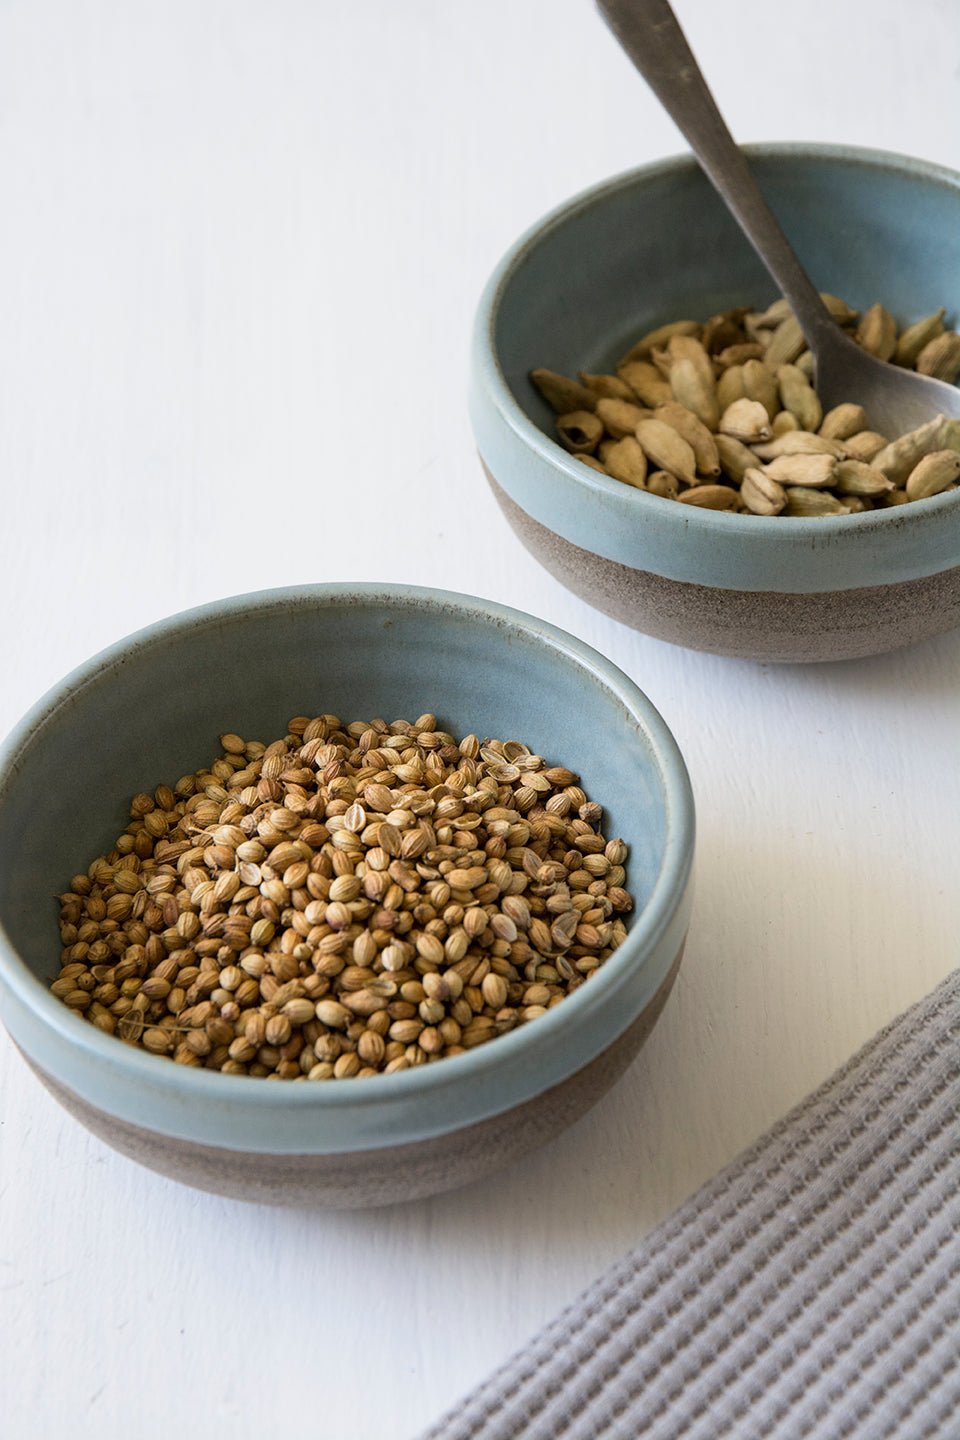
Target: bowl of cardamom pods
[306,952]
[645,408]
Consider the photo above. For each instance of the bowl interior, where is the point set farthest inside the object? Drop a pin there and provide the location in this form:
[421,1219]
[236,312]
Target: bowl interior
[147,712]
[659,245]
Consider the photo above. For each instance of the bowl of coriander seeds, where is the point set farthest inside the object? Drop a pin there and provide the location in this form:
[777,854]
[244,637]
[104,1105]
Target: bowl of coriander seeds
[645,409]
[361,892]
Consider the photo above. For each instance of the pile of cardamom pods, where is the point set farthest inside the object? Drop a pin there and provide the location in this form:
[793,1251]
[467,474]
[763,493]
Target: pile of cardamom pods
[723,415]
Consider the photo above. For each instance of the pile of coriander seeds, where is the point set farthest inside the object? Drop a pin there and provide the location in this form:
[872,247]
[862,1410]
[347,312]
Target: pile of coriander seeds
[723,415]
[348,900]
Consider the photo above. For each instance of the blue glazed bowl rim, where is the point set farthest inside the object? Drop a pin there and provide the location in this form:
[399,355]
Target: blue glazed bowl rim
[647,928]
[788,528]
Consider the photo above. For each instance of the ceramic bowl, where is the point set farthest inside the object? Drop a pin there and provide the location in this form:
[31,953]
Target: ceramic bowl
[151,707]
[657,245]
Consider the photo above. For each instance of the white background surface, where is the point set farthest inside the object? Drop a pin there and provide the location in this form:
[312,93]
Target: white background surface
[240,248]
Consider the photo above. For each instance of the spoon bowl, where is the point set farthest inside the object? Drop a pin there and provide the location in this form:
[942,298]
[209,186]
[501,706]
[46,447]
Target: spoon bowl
[896,400]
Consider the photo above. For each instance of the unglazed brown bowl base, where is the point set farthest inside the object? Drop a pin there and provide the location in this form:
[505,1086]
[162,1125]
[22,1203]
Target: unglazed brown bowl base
[747,625]
[387,1176]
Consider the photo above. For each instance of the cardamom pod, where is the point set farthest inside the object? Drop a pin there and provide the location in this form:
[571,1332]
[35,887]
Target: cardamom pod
[813,470]
[839,309]
[916,336]
[561,393]
[646,382]
[843,420]
[710,497]
[799,396]
[761,494]
[804,502]
[783,422]
[695,390]
[900,457]
[786,345]
[865,445]
[853,477]
[655,339]
[580,432]
[760,383]
[696,434]
[661,361]
[738,355]
[688,347]
[626,461]
[800,442]
[667,450]
[735,458]
[730,387]
[773,316]
[619,417]
[662,483]
[746,420]
[877,332]
[723,330]
[941,357]
[606,387]
[935,472]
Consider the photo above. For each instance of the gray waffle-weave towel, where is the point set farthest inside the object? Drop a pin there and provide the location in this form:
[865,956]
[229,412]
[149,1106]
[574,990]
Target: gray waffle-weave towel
[812,1289]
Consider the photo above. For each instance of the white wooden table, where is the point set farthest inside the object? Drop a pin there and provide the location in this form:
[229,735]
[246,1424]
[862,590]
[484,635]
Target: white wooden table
[240,248]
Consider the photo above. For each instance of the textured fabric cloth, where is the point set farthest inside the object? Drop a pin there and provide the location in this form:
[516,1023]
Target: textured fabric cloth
[812,1289]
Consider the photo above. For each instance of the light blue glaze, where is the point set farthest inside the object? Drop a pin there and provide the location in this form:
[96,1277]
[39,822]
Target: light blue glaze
[657,244]
[151,707]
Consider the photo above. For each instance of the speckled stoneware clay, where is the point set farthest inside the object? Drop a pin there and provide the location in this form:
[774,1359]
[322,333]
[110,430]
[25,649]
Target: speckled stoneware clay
[656,245]
[151,707]
[361,1179]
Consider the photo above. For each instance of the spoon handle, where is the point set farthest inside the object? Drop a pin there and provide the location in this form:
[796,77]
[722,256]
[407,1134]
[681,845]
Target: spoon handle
[649,33]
